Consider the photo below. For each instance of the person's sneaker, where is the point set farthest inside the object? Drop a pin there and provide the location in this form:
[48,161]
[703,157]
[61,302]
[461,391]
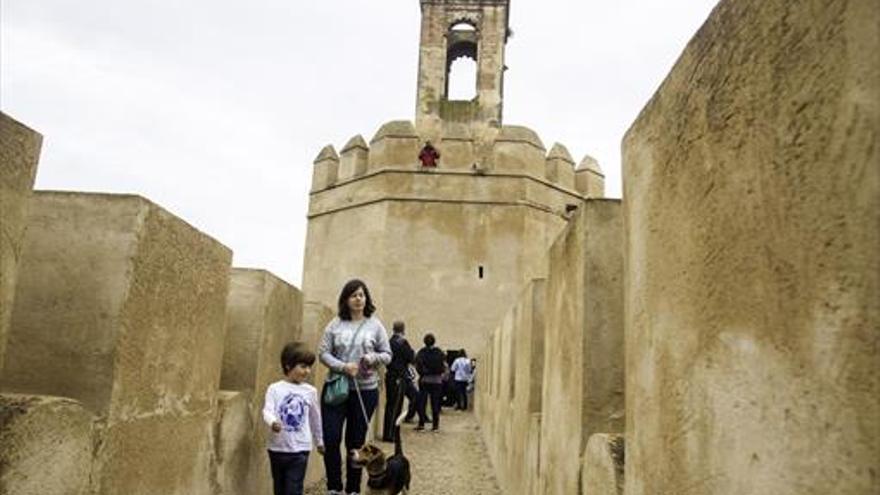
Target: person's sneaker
[419,428]
[435,430]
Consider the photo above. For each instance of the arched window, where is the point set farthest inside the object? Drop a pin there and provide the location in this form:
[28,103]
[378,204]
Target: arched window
[461,62]
[463,26]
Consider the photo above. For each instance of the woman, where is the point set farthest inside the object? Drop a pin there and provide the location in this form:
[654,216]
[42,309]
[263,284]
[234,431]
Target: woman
[354,344]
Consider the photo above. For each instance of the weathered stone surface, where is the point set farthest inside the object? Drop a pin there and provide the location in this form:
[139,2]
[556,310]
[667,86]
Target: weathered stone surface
[589,179]
[325,171]
[120,305]
[395,145]
[509,405]
[752,193]
[440,44]
[519,150]
[263,313]
[560,167]
[234,446]
[19,153]
[45,445]
[584,370]
[355,157]
[316,316]
[603,465]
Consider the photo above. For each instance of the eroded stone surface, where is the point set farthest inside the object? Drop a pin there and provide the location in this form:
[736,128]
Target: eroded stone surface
[19,153]
[120,305]
[46,445]
[752,193]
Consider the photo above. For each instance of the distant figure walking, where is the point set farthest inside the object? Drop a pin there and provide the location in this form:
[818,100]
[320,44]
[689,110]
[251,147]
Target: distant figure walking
[431,365]
[462,371]
[354,345]
[429,155]
[402,356]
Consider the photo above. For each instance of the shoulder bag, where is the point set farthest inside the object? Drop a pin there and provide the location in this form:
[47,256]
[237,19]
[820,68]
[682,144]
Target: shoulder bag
[336,385]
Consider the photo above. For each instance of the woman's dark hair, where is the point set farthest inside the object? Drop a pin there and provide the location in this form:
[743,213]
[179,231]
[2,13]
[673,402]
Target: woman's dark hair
[295,353]
[429,340]
[350,288]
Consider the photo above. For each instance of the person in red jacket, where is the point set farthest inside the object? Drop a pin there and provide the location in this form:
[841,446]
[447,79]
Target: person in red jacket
[429,155]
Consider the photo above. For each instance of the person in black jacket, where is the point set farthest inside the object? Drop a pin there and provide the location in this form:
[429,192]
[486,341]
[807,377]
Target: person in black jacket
[431,365]
[397,371]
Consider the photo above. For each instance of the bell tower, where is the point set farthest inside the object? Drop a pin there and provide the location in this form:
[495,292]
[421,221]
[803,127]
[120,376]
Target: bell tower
[477,29]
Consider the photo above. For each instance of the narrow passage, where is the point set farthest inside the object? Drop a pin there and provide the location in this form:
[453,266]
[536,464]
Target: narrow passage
[453,461]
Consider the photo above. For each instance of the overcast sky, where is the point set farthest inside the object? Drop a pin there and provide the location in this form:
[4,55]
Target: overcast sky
[216,109]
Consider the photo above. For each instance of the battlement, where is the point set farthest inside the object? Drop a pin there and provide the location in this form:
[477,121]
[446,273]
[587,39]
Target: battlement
[511,151]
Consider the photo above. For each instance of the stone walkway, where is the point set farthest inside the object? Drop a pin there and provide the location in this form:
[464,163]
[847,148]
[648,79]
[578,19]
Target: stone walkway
[453,461]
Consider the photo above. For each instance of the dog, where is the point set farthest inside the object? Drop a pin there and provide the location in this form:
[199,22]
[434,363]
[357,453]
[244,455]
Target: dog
[386,476]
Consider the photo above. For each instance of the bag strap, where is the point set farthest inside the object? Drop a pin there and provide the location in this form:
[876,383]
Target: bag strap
[354,339]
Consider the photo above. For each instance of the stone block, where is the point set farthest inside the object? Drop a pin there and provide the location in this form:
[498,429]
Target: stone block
[519,150]
[121,306]
[396,145]
[602,472]
[234,446]
[325,171]
[589,179]
[263,313]
[560,167]
[354,160]
[752,193]
[584,379]
[19,154]
[45,445]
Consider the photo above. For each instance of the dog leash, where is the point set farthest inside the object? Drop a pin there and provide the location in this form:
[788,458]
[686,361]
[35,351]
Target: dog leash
[357,389]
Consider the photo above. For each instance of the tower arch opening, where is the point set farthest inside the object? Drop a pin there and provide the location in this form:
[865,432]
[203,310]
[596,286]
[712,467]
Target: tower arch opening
[461,61]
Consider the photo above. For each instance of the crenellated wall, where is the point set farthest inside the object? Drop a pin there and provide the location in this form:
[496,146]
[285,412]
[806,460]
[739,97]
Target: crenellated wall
[474,228]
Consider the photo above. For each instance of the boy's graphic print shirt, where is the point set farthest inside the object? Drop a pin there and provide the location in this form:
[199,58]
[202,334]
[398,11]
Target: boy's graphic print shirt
[296,407]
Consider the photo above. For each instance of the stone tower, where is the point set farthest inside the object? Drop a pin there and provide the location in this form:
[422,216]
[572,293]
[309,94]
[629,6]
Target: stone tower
[476,29]
[446,249]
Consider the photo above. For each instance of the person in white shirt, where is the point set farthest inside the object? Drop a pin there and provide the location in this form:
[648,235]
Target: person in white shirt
[462,370]
[293,414]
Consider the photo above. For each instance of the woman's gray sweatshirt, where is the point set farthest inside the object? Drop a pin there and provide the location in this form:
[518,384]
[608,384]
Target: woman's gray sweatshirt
[336,348]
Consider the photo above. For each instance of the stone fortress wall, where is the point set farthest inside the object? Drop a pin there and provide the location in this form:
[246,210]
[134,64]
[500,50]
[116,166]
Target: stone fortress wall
[734,299]
[135,357]
[715,332]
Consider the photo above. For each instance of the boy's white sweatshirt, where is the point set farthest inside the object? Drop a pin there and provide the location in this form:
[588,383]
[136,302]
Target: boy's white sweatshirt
[296,407]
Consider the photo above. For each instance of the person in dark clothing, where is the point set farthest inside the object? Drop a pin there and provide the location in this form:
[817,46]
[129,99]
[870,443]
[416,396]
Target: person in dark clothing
[429,155]
[431,365]
[396,372]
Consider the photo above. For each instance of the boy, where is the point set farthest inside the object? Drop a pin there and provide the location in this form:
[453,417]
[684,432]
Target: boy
[293,414]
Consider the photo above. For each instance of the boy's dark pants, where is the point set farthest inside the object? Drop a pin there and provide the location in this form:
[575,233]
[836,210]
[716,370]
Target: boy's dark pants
[434,391]
[288,471]
[350,415]
[392,387]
